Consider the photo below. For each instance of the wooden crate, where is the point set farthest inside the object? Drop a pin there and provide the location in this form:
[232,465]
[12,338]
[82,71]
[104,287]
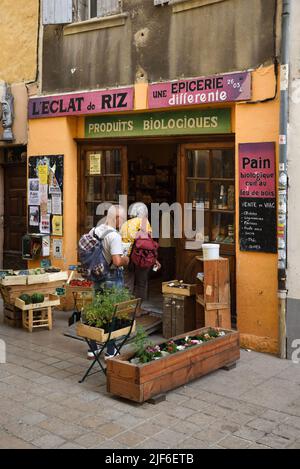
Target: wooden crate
[99,335]
[178,315]
[13,280]
[213,294]
[189,290]
[51,300]
[141,382]
[37,279]
[58,276]
[12,316]
[37,315]
[10,293]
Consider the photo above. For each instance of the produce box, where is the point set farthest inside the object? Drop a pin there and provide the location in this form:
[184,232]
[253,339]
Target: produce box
[175,287]
[35,279]
[13,280]
[56,276]
[51,300]
[11,292]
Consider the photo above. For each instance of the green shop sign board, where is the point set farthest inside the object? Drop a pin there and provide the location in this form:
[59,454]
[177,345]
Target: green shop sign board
[211,121]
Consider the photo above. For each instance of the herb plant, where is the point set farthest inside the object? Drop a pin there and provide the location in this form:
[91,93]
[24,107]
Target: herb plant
[100,312]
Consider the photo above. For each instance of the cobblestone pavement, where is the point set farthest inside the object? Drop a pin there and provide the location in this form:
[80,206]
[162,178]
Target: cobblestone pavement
[256,405]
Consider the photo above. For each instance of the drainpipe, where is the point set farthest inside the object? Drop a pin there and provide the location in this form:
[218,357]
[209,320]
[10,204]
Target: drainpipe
[283,177]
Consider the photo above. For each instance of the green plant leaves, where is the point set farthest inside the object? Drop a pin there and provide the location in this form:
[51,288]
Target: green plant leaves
[100,312]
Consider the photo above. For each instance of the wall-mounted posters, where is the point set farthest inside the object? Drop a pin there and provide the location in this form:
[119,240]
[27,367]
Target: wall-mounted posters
[257,192]
[45,194]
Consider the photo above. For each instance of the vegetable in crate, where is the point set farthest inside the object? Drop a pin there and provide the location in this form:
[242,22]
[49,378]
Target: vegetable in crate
[81,283]
[37,298]
[26,299]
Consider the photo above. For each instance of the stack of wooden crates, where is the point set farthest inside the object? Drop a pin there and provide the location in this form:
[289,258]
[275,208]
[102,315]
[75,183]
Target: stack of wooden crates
[205,304]
[213,294]
[179,309]
[13,287]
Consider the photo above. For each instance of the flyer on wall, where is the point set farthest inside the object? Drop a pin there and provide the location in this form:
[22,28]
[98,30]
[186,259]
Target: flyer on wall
[34,216]
[33,192]
[57,225]
[45,224]
[56,204]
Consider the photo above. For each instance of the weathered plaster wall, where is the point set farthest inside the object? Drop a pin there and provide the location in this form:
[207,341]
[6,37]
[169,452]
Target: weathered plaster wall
[156,43]
[293,158]
[1,210]
[293,309]
[18,39]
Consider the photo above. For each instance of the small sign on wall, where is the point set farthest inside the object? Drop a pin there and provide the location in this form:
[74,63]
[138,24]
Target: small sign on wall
[257,192]
[58,248]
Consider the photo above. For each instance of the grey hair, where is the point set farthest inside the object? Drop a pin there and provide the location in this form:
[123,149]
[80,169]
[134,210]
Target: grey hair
[113,211]
[138,210]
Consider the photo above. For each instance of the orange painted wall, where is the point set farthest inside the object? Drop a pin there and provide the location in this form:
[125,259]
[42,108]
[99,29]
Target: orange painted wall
[56,137]
[257,304]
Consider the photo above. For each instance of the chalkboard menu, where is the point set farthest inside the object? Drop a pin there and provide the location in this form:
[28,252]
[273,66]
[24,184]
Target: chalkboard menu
[257,193]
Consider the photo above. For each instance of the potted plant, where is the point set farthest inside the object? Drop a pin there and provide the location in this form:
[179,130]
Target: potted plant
[110,310]
[151,370]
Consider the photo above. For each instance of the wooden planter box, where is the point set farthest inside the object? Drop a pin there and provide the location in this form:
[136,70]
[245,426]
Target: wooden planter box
[140,383]
[99,335]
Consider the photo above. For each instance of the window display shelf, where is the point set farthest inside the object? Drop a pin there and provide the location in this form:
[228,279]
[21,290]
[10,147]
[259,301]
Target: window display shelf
[210,185]
[223,179]
[220,210]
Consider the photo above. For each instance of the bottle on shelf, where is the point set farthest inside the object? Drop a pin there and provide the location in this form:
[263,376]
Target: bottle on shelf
[207,202]
[222,203]
[200,202]
[230,197]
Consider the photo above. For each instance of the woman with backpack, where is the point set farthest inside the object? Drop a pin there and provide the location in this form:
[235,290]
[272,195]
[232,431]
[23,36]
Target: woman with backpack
[143,250]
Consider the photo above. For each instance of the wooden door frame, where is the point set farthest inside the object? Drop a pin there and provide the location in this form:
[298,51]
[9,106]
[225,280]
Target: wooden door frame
[6,165]
[81,175]
[209,145]
[230,253]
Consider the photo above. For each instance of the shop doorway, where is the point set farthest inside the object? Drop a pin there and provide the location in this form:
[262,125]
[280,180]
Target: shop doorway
[152,178]
[146,172]
[14,220]
[202,174]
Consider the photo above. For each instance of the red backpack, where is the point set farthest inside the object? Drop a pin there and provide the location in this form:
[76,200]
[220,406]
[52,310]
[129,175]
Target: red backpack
[145,251]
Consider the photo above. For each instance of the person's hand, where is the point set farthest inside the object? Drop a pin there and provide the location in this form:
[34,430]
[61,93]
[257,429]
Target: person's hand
[126,261]
[158,265]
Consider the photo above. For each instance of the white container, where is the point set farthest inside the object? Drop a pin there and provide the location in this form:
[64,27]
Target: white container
[211,252]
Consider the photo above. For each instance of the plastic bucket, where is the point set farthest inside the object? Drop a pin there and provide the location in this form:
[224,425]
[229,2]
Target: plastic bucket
[211,251]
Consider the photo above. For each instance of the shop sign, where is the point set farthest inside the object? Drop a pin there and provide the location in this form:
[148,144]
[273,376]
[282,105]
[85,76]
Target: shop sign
[209,121]
[257,192]
[203,90]
[93,102]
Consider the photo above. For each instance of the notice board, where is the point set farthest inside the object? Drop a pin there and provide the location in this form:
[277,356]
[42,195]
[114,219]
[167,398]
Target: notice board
[257,197]
[45,194]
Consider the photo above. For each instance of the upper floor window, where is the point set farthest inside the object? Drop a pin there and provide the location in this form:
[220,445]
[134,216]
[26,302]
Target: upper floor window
[88,9]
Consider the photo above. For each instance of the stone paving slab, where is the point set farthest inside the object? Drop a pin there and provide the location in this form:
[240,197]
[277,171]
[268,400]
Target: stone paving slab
[42,405]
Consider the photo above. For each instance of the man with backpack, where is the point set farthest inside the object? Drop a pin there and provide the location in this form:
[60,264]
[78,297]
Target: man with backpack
[101,256]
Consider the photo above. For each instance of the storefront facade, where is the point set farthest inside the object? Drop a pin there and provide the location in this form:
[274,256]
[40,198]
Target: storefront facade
[107,145]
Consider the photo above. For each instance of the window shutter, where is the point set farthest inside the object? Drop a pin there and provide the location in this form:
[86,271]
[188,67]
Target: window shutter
[107,7]
[57,11]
